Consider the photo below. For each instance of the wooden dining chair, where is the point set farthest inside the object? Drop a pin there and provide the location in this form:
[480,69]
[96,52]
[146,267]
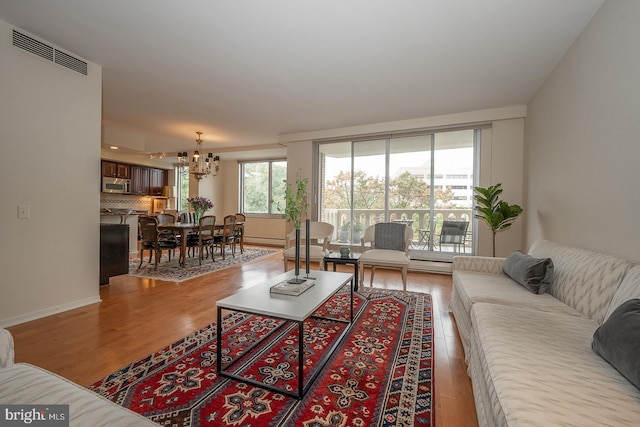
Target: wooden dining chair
[151,240]
[227,237]
[189,218]
[204,238]
[168,235]
[240,217]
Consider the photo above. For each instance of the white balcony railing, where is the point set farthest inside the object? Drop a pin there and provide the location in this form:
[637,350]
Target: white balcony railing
[418,219]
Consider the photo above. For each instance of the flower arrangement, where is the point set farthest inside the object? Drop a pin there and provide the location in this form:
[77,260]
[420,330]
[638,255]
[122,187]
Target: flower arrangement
[199,205]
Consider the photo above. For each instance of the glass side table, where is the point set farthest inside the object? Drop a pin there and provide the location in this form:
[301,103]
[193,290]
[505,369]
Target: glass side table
[337,259]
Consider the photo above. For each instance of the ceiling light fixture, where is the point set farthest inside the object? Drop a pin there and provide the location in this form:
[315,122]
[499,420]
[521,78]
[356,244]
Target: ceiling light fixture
[197,167]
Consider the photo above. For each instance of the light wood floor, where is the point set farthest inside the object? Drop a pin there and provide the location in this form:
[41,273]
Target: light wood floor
[139,316]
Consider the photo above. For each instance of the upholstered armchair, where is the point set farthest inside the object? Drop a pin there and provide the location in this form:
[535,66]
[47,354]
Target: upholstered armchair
[385,245]
[320,234]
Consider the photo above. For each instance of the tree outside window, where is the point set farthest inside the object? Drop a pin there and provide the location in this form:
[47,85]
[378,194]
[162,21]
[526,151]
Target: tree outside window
[263,186]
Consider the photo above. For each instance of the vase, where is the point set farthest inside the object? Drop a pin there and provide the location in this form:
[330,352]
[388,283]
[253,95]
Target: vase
[296,279]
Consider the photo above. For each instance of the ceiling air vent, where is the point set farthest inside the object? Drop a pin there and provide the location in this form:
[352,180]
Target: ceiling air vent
[71,62]
[32,45]
[49,53]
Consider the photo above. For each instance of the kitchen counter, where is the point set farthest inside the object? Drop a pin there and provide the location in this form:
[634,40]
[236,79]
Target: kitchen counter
[124,216]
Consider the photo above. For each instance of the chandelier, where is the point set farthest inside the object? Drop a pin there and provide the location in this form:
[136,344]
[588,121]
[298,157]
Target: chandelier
[199,167]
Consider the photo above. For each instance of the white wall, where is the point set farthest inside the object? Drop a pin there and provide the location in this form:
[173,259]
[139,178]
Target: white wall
[582,140]
[501,161]
[50,135]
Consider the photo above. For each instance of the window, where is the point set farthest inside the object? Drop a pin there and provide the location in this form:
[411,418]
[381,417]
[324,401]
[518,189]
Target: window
[183,189]
[404,178]
[262,187]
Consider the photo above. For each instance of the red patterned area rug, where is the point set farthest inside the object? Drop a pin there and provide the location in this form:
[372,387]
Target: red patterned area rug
[381,374]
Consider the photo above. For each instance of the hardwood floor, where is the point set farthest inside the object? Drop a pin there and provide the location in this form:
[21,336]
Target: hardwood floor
[138,316]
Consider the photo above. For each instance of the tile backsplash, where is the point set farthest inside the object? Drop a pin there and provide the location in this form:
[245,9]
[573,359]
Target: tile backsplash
[118,201]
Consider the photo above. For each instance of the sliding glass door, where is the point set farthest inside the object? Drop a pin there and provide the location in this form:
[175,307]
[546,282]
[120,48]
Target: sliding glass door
[421,180]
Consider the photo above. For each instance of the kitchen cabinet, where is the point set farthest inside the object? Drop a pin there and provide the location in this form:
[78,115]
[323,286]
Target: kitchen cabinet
[157,180]
[116,170]
[114,251]
[148,181]
[140,179]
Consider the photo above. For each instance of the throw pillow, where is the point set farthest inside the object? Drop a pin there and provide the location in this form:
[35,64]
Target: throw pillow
[535,274]
[617,340]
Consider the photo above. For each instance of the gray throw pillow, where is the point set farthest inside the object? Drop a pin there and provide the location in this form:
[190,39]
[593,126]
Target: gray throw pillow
[535,274]
[618,340]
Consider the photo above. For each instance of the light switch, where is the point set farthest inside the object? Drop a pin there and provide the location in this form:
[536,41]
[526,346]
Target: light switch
[24,211]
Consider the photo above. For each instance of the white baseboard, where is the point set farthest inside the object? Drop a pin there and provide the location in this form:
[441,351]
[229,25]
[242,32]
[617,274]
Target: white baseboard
[431,266]
[48,311]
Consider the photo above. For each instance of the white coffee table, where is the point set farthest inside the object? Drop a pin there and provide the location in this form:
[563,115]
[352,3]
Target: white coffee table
[258,300]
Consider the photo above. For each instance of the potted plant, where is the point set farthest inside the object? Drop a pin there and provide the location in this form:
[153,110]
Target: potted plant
[498,214]
[295,208]
[344,231]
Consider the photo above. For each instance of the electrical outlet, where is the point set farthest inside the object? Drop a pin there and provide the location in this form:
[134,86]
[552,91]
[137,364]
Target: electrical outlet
[24,211]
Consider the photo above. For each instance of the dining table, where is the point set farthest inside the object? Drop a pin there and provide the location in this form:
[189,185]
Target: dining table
[183,229]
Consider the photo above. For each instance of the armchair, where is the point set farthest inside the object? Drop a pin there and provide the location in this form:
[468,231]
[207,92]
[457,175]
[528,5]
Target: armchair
[317,251]
[385,245]
[454,233]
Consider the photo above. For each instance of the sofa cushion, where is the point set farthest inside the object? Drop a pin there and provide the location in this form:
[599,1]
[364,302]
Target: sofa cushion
[618,340]
[474,287]
[315,252]
[538,369]
[384,257]
[534,274]
[470,287]
[27,384]
[583,279]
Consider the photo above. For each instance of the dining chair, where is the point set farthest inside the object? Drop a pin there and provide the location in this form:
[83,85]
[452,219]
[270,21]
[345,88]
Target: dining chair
[385,245]
[204,238]
[227,237]
[240,217]
[320,234]
[168,235]
[151,241]
[189,218]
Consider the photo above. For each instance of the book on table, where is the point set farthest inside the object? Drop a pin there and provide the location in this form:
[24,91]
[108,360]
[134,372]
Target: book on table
[295,289]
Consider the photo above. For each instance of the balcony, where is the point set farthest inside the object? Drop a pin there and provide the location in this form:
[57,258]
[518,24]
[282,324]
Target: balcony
[418,219]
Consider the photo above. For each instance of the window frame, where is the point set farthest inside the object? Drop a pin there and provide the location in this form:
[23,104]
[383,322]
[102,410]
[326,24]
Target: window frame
[241,189]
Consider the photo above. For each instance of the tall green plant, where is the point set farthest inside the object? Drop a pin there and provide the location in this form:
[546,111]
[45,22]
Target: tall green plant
[498,214]
[295,201]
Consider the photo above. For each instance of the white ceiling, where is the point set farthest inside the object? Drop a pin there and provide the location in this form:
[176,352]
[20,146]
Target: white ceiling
[245,72]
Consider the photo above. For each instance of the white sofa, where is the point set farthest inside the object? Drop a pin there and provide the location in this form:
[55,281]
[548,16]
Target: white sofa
[529,356]
[24,384]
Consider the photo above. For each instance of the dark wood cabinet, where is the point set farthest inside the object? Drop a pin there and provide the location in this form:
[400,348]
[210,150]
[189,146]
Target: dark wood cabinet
[114,251]
[148,181]
[116,170]
[140,180]
[157,179]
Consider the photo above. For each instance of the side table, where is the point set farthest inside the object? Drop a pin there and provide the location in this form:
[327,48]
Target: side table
[337,259]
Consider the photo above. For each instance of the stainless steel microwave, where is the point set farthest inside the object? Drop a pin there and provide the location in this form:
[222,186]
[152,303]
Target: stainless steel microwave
[116,185]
